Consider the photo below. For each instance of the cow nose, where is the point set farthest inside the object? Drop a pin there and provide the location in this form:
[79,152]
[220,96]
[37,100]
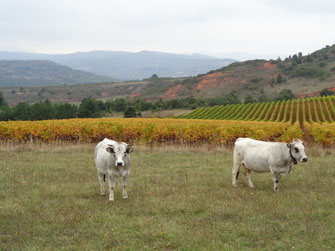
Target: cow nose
[119,163]
[304,159]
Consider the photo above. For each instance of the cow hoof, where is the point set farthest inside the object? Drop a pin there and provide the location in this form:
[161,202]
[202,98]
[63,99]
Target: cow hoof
[102,194]
[276,190]
[234,185]
[125,198]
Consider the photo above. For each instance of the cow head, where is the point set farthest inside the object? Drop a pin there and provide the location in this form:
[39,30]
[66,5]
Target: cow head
[297,150]
[120,150]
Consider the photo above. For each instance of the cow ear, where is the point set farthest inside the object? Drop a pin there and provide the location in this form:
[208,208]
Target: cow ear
[110,149]
[289,145]
[129,149]
[304,143]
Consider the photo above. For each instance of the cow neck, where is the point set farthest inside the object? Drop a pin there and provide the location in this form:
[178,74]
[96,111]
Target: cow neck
[294,159]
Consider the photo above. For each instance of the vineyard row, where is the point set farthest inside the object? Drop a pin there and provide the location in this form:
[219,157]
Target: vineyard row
[311,110]
[158,131]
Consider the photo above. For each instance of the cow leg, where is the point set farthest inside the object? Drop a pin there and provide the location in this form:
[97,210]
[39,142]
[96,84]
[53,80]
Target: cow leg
[101,181]
[276,177]
[111,185]
[247,174]
[124,187]
[236,171]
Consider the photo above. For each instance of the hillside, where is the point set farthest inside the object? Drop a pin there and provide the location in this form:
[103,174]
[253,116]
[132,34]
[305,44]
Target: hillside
[127,65]
[304,75]
[43,73]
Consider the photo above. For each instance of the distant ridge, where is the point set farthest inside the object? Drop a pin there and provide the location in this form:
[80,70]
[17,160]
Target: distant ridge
[128,65]
[43,73]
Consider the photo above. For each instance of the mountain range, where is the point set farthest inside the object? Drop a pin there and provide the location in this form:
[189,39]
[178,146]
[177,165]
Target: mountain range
[127,65]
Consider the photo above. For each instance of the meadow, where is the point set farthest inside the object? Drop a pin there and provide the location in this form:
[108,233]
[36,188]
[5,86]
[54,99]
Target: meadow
[179,198]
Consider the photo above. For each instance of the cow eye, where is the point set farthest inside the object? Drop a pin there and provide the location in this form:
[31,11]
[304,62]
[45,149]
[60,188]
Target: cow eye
[296,150]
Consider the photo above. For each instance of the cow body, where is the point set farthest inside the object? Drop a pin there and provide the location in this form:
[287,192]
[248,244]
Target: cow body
[260,157]
[113,159]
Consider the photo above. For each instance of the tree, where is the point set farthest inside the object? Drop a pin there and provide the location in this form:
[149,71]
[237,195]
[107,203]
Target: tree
[326,92]
[249,99]
[154,76]
[2,100]
[130,112]
[263,98]
[88,109]
[22,111]
[65,111]
[119,105]
[280,79]
[285,94]
[42,111]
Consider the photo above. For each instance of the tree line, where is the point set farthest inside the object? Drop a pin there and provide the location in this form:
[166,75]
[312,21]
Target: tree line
[92,108]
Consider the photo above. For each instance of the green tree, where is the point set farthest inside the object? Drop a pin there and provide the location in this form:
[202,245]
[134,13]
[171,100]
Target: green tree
[22,111]
[130,112]
[326,92]
[88,109]
[280,79]
[65,111]
[42,111]
[119,105]
[249,99]
[2,100]
[285,94]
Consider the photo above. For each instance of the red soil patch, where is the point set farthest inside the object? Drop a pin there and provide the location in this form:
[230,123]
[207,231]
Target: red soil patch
[288,113]
[282,113]
[270,114]
[323,107]
[330,109]
[268,65]
[172,92]
[136,94]
[302,95]
[301,117]
[212,80]
[318,110]
[52,100]
[104,94]
[65,100]
[263,115]
[313,111]
[294,118]
[276,113]
[308,119]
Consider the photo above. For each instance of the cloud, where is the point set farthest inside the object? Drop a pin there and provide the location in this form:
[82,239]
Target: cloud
[258,26]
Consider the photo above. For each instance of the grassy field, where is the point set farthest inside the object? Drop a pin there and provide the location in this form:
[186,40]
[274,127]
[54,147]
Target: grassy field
[178,199]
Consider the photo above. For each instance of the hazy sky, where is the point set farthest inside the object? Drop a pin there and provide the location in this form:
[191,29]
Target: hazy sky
[216,27]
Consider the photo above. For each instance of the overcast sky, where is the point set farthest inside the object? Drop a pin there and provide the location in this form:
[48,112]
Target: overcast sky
[216,27]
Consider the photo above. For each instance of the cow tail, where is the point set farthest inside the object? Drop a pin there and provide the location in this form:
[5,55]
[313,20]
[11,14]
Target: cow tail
[238,172]
[104,177]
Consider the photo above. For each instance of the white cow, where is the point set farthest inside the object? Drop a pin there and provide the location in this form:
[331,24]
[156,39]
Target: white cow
[260,157]
[113,158]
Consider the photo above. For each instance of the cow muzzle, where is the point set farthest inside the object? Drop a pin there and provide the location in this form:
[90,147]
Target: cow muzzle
[304,159]
[119,163]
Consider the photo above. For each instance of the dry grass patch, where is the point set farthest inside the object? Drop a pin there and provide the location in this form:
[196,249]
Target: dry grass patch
[178,199]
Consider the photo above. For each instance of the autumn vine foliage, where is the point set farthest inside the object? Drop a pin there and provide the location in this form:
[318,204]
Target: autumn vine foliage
[144,131]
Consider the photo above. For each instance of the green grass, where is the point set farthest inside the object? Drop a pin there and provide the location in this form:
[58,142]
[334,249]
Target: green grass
[178,199]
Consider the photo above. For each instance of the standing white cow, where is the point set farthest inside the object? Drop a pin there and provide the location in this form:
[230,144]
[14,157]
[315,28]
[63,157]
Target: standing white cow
[113,158]
[260,157]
